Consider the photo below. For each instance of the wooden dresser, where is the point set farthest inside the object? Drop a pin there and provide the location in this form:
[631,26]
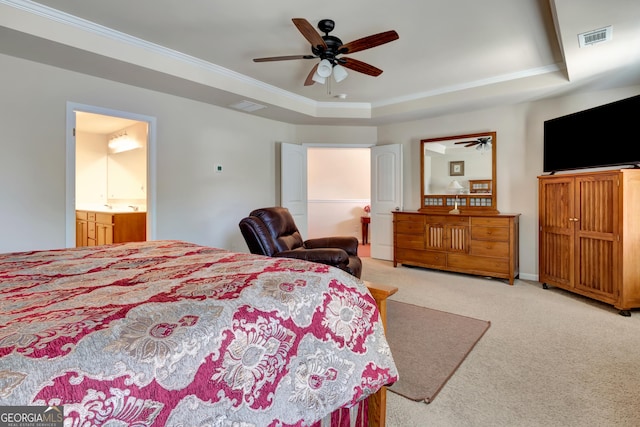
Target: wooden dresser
[480,244]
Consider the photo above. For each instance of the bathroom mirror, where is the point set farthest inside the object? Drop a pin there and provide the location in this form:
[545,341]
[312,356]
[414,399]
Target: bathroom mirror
[458,173]
[127,175]
[127,163]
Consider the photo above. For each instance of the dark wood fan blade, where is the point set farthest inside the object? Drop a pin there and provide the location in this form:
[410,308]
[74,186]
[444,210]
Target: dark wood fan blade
[283,58]
[309,32]
[309,81]
[468,143]
[359,66]
[369,42]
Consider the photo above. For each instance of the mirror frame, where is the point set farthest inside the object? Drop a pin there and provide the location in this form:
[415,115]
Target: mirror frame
[447,201]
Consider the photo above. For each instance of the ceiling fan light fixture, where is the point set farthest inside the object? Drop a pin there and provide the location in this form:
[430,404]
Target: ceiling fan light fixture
[484,147]
[318,78]
[339,73]
[329,47]
[324,68]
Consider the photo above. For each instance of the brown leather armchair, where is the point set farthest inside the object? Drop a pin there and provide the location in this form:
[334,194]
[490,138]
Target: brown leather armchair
[273,232]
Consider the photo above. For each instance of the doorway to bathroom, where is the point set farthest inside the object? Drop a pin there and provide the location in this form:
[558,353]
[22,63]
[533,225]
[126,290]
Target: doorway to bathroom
[110,169]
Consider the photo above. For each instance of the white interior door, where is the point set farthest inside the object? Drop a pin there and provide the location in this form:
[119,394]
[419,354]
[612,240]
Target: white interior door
[293,183]
[386,197]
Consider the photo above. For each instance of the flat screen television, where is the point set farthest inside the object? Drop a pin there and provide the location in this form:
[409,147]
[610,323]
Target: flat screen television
[607,135]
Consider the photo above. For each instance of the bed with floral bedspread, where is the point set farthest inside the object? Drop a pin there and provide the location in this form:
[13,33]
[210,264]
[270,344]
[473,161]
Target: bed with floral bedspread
[177,334]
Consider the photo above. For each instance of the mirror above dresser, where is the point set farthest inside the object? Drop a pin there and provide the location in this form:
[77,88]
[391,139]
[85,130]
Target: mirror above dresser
[458,172]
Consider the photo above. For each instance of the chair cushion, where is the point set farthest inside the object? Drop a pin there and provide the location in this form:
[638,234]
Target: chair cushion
[281,226]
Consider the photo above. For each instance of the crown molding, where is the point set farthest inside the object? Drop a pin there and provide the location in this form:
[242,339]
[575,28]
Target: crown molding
[471,85]
[114,35]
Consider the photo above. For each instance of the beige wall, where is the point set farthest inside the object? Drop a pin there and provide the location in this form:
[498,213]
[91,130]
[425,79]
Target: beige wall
[196,204]
[193,202]
[519,154]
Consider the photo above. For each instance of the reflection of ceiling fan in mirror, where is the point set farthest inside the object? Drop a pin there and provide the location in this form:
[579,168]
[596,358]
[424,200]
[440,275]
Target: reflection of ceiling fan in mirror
[481,144]
[327,48]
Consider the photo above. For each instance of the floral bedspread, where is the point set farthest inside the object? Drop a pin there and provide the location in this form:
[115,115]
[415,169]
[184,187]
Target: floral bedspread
[177,334]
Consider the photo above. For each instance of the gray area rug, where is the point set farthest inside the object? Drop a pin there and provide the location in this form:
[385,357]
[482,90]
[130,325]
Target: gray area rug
[428,346]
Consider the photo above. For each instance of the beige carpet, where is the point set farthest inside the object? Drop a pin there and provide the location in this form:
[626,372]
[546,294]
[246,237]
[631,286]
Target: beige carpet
[551,358]
[428,346]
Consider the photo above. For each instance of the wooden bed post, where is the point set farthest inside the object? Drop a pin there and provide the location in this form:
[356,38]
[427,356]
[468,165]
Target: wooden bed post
[378,401]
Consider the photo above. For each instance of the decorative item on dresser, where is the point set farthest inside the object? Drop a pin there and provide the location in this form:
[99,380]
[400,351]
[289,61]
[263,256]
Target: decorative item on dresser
[589,235]
[480,244]
[458,226]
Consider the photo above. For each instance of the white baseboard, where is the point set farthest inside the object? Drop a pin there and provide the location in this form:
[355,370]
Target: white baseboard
[527,276]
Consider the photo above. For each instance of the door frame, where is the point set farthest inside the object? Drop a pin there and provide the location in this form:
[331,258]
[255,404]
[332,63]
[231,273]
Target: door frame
[70,184]
[287,169]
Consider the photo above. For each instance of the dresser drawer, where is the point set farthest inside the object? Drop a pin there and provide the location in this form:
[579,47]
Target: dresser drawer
[81,215]
[447,219]
[490,233]
[489,221]
[91,216]
[409,227]
[422,258]
[489,248]
[410,241]
[408,217]
[478,264]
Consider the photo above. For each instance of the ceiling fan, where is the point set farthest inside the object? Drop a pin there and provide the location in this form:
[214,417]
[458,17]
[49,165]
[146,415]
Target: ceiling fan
[329,48]
[483,143]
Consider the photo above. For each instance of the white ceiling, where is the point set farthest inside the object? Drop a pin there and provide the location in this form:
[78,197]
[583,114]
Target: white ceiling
[451,55]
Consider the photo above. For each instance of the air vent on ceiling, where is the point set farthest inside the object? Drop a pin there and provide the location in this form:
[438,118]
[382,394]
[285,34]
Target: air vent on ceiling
[247,106]
[596,36]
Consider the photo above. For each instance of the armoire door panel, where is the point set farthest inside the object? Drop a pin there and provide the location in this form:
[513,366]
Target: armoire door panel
[597,204]
[557,230]
[557,204]
[596,231]
[596,264]
[557,263]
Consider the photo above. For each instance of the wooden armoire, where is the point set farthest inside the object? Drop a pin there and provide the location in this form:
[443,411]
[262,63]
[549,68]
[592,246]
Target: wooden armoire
[589,235]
